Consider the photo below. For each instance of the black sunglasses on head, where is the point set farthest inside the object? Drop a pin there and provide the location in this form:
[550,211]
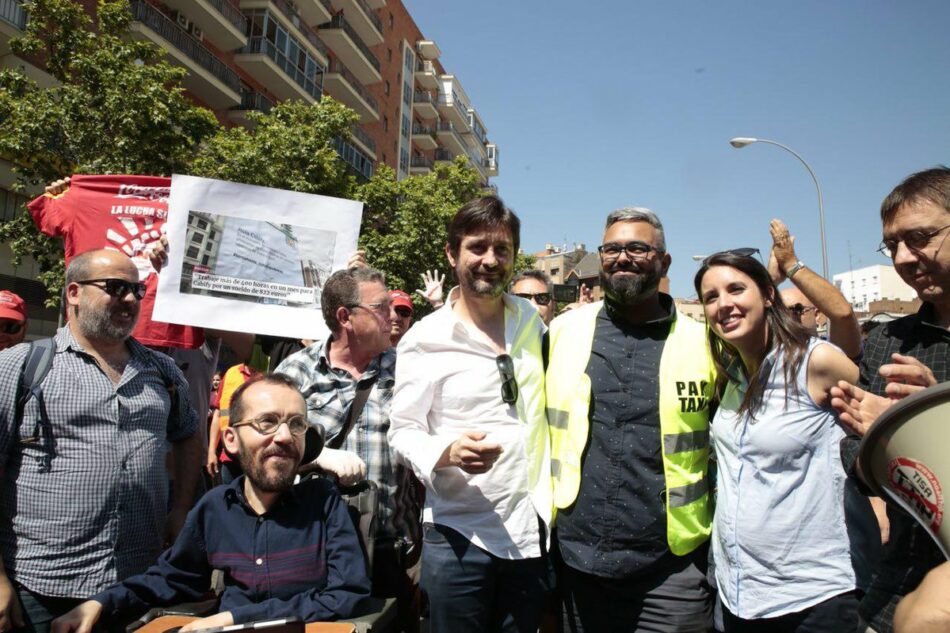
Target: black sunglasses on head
[745,251]
[117,288]
[509,386]
[541,298]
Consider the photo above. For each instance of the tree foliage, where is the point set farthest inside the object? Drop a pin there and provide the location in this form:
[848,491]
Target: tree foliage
[120,108]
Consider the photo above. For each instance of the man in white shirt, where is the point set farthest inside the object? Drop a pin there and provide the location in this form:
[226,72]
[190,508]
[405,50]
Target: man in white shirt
[468,416]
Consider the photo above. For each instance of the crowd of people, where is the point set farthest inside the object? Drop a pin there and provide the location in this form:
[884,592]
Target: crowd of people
[617,466]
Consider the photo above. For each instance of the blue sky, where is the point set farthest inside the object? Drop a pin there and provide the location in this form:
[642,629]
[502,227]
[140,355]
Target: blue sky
[602,104]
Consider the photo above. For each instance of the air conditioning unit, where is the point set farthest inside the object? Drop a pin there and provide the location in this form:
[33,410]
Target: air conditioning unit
[182,20]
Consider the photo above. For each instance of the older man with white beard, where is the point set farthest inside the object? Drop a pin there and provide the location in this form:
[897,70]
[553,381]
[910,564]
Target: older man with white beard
[84,489]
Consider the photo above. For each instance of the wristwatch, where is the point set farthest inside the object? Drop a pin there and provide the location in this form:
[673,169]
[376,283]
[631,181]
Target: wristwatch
[794,269]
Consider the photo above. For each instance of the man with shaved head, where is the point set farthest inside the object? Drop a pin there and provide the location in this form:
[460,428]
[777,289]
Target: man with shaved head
[83,484]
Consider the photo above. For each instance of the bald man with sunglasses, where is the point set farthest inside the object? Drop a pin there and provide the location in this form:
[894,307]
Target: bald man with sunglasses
[84,488]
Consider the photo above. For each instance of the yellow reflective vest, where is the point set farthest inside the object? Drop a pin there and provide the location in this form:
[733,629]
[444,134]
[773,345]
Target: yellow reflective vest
[686,379]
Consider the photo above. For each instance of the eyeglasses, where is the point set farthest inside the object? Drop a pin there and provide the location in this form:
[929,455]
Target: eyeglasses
[380,307]
[268,424]
[509,386]
[403,311]
[914,240]
[117,288]
[634,250]
[11,327]
[744,251]
[541,298]
[800,309]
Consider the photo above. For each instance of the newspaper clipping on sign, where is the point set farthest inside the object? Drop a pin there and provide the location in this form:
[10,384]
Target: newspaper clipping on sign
[252,259]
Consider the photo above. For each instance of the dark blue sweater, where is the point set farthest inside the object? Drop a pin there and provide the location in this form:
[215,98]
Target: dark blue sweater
[302,558]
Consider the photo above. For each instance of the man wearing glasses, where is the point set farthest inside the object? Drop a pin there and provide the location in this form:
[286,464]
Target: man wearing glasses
[84,484]
[902,357]
[468,416]
[285,550]
[628,384]
[536,287]
[12,319]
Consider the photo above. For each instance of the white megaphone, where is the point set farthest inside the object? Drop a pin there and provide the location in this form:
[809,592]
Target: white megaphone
[905,458]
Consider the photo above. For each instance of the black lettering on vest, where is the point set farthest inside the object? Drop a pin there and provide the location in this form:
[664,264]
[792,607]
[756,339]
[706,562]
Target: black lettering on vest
[693,388]
[683,404]
[680,386]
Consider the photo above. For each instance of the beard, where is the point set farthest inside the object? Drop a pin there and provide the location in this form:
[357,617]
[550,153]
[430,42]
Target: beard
[630,289]
[483,287]
[97,323]
[280,477]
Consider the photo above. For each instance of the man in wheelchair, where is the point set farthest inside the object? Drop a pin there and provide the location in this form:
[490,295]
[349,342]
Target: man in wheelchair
[285,550]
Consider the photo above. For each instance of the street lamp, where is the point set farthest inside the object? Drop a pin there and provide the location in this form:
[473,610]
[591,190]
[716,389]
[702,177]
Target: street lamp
[741,141]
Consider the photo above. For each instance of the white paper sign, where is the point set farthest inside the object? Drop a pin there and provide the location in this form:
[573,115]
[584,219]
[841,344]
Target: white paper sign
[252,259]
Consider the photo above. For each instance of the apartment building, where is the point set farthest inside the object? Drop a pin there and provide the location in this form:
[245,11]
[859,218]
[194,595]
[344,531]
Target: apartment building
[247,55]
[872,283]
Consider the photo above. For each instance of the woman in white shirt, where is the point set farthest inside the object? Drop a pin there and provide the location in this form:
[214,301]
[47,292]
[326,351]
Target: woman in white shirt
[779,538]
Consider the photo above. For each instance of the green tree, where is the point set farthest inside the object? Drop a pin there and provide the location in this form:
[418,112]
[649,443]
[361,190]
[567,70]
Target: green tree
[117,108]
[405,222]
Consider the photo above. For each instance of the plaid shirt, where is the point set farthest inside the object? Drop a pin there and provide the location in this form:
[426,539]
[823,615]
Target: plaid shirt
[97,514]
[910,553]
[329,392]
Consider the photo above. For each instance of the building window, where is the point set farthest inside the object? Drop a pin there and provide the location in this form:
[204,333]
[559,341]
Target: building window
[197,238]
[211,235]
[389,55]
[386,88]
[385,123]
[205,260]
[192,252]
[202,224]
[390,19]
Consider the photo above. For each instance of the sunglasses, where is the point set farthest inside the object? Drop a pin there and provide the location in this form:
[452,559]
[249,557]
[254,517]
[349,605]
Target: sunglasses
[745,251]
[268,424]
[800,309]
[509,386]
[541,298]
[403,311]
[10,327]
[117,288]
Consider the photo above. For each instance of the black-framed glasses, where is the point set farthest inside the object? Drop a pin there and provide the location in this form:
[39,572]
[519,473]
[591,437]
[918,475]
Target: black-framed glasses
[541,298]
[117,288]
[509,385]
[744,251]
[635,249]
[268,424]
[914,240]
[800,309]
[10,327]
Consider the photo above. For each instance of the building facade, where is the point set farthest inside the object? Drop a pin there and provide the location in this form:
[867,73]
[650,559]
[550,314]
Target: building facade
[872,283]
[247,55]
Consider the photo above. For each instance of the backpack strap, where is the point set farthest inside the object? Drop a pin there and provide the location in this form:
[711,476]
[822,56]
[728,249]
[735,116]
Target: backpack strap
[36,365]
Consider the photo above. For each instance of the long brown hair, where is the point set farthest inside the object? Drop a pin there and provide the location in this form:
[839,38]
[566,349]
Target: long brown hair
[783,332]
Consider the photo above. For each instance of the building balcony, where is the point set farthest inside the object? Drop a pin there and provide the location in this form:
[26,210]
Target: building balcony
[363,141]
[208,78]
[420,165]
[251,101]
[451,109]
[428,49]
[426,76]
[220,21]
[12,23]
[424,105]
[289,17]
[476,127]
[350,48]
[449,137]
[423,137]
[314,12]
[359,163]
[443,157]
[491,163]
[271,67]
[340,84]
[363,19]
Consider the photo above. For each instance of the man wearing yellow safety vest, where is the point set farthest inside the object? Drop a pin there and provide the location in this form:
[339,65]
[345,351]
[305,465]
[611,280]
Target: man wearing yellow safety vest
[628,386]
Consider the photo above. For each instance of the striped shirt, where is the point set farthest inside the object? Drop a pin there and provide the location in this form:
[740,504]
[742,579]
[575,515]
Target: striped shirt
[96,514]
[329,391]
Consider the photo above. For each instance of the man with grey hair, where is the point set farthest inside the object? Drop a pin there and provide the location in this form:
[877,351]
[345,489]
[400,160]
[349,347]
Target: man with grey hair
[84,484]
[628,387]
[347,381]
[536,286]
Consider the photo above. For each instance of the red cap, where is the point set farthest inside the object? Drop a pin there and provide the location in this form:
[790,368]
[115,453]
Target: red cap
[12,306]
[400,298]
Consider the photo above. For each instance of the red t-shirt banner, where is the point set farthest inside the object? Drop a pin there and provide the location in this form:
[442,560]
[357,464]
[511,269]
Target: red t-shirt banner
[122,213]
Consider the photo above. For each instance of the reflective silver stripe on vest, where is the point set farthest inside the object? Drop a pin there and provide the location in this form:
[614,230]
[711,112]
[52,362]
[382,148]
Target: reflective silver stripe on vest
[556,467]
[685,495]
[558,419]
[682,442]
